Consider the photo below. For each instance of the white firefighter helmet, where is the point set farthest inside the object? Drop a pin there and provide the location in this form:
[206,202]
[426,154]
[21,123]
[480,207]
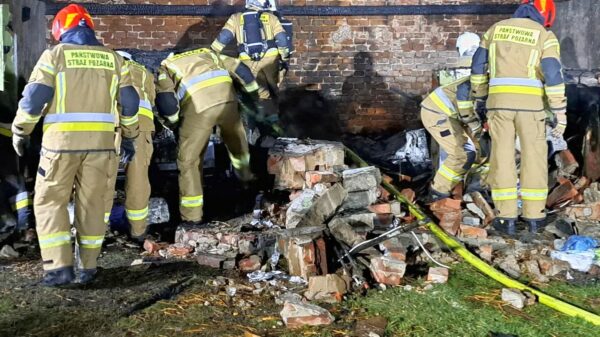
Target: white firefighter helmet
[258,5]
[467,44]
[125,55]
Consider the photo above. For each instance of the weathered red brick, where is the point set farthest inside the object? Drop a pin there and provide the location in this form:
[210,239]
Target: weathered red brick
[387,271]
[437,275]
[315,177]
[250,264]
[590,212]
[473,232]
[564,192]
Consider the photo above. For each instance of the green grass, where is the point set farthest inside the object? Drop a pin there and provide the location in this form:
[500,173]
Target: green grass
[469,305]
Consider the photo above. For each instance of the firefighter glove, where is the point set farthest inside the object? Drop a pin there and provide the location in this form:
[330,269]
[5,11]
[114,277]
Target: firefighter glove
[475,127]
[127,150]
[561,125]
[20,143]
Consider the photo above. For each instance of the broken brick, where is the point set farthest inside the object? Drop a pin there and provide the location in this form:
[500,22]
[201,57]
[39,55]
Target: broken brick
[564,192]
[437,275]
[316,177]
[380,208]
[588,212]
[352,228]
[446,205]
[306,255]
[514,297]
[179,250]
[485,252]
[296,314]
[250,264]
[582,183]
[450,221]
[473,232]
[394,249]
[387,271]
[329,288]
[567,162]
[409,194]
[210,260]
[152,246]
[483,205]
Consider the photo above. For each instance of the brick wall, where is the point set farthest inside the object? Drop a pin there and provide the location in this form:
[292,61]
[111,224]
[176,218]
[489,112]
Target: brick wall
[375,69]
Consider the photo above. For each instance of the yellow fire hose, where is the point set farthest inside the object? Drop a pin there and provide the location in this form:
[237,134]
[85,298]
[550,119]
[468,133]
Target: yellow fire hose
[475,261]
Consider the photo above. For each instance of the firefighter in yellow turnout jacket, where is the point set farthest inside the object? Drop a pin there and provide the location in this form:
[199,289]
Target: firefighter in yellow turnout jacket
[262,43]
[518,69]
[201,82]
[76,85]
[137,184]
[447,114]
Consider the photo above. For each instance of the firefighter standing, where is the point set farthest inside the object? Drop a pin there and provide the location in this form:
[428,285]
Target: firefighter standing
[447,114]
[200,81]
[517,68]
[77,85]
[137,184]
[263,44]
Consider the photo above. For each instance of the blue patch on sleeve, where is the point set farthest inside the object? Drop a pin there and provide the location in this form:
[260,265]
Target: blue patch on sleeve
[225,37]
[552,71]
[245,73]
[463,92]
[281,40]
[167,104]
[35,96]
[480,60]
[130,101]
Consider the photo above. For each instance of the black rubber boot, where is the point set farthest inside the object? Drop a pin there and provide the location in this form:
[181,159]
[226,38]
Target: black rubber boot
[87,275]
[506,226]
[58,277]
[434,196]
[535,225]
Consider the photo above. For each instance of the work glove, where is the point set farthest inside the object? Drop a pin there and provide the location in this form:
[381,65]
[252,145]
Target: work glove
[127,150]
[20,143]
[481,109]
[561,125]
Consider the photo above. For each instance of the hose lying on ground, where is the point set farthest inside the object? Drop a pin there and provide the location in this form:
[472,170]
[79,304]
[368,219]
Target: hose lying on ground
[458,248]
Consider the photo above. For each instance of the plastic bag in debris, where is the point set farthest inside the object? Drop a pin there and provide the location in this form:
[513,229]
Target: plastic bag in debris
[260,276]
[581,261]
[579,243]
[158,211]
[556,144]
[415,151]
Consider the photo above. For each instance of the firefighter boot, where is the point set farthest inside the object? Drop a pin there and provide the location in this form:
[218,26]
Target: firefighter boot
[535,225]
[86,276]
[58,277]
[505,225]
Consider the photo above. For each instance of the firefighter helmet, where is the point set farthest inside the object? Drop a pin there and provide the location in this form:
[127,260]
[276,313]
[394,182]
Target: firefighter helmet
[125,55]
[467,44]
[68,18]
[546,8]
[258,5]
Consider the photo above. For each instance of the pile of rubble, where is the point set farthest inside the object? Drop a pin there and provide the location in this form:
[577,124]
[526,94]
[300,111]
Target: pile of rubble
[305,241]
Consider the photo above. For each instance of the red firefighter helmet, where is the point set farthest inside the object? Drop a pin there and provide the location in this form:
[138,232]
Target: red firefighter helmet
[68,18]
[546,8]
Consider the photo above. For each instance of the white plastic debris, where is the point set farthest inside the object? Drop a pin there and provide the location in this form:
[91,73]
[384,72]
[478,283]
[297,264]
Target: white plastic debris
[581,261]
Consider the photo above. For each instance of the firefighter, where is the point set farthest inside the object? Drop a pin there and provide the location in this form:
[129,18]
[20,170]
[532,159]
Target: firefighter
[515,71]
[262,44]
[448,115]
[201,83]
[137,184]
[76,85]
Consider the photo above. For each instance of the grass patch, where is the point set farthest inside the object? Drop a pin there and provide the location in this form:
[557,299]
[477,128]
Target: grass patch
[469,305]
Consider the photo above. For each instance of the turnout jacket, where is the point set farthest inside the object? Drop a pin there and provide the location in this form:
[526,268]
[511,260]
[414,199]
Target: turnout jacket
[453,99]
[143,82]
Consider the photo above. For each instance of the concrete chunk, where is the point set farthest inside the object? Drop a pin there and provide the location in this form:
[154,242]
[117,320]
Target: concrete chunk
[514,297]
[437,275]
[360,199]
[298,208]
[328,288]
[362,179]
[352,228]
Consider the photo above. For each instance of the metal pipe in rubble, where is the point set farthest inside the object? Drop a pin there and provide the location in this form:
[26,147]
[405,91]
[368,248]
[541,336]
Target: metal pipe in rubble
[458,248]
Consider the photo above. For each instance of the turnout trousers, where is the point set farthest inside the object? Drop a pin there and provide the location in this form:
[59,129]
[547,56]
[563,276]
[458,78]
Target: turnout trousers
[137,185]
[194,135]
[530,127]
[452,138]
[57,174]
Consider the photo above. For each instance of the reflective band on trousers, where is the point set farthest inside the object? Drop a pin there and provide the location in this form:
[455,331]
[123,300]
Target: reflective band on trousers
[91,242]
[145,109]
[504,194]
[126,121]
[479,79]
[555,90]
[55,240]
[137,214]
[5,129]
[533,194]
[443,102]
[191,202]
[80,121]
[106,218]
[450,174]
[521,86]
[20,200]
[202,81]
